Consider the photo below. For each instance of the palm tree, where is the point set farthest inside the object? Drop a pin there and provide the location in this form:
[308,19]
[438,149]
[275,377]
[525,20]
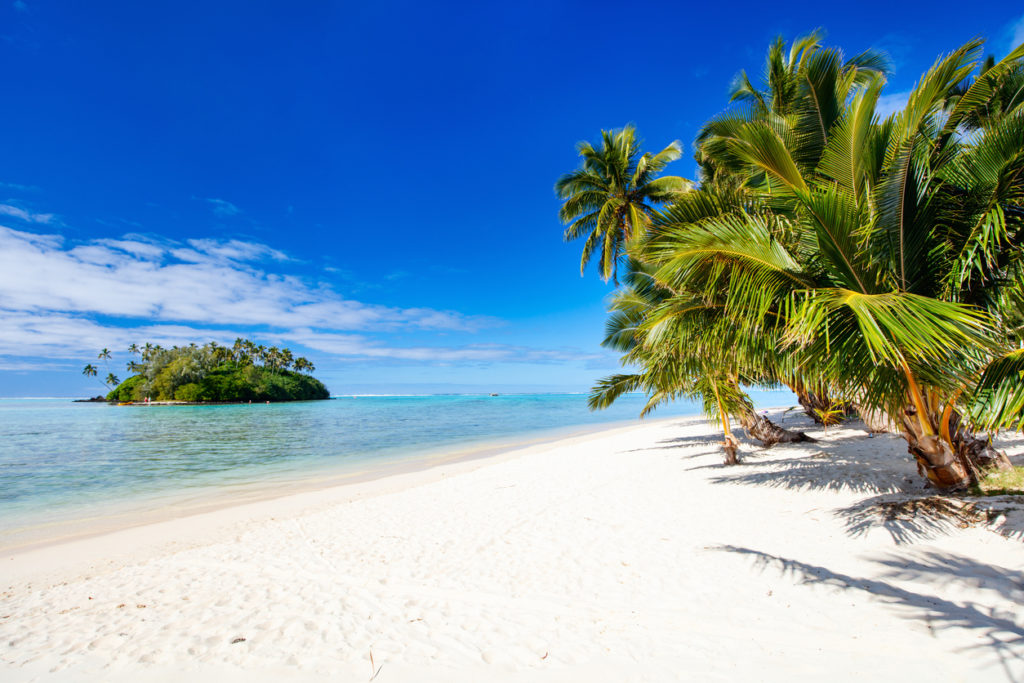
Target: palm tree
[802,96]
[91,370]
[134,349]
[112,380]
[678,341]
[886,270]
[610,199]
[273,359]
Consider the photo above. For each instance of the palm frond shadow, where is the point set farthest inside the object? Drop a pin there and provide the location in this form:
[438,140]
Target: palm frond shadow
[821,471]
[683,442]
[997,631]
[752,445]
[914,519]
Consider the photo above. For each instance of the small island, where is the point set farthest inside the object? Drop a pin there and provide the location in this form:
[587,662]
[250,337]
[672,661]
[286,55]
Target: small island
[212,373]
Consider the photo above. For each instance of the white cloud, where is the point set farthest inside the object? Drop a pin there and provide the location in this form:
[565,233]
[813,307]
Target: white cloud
[60,299]
[17,365]
[357,346]
[891,103]
[236,250]
[19,187]
[206,282]
[1016,33]
[61,335]
[64,300]
[223,207]
[28,216]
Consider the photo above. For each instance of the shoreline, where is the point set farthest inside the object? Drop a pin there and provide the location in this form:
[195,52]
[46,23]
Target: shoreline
[626,553]
[35,531]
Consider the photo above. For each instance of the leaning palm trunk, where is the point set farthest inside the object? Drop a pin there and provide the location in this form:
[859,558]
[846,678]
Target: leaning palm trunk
[767,432]
[819,406]
[936,460]
[947,452]
[730,445]
[875,420]
[814,405]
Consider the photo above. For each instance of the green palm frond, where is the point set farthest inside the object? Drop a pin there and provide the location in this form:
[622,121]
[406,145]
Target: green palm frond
[980,92]
[610,199]
[998,399]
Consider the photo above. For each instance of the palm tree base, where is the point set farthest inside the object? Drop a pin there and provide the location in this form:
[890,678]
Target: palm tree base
[731,449]
[767,432]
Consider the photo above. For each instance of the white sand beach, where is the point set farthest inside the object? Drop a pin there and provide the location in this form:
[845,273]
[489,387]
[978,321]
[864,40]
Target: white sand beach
[626,555]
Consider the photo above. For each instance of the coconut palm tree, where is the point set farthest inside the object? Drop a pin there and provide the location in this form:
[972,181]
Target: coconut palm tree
[904,236]
[91,370]
[678,341]
[802,96]
[610,199]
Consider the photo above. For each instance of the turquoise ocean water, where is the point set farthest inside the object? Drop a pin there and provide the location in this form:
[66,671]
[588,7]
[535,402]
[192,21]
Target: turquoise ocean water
[59,458]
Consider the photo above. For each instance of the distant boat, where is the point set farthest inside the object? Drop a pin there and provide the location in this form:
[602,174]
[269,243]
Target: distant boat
[494,394]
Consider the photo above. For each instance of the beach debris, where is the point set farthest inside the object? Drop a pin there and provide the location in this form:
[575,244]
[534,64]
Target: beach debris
[238,640]
[373,667]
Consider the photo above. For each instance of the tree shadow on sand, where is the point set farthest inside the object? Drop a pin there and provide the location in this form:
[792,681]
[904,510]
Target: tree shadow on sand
[820,471]
[925,517]
[682,442]
[997,631]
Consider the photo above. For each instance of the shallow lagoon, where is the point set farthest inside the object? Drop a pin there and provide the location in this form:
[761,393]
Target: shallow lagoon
[59,458]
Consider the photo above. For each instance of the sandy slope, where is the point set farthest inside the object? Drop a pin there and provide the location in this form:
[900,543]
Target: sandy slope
[631,555]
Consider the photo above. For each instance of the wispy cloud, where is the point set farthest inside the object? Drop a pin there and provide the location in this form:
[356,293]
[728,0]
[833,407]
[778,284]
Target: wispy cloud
[358,346]
[890,103]
[63,299]
[223,208]
[19,187]
[20,6]
[17,365]
[203,281]
[27,216]
[236,250]
[1016,33]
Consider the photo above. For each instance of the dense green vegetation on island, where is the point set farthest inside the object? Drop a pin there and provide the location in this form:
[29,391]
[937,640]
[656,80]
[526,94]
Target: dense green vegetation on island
[869,261]
[214,373]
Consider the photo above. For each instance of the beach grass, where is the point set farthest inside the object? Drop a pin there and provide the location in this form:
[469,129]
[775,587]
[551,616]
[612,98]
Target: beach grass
[1002,483]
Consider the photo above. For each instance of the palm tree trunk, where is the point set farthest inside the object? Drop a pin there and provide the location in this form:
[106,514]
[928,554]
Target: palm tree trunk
[875,420]
[767,432]
[730,445]
[813,404]
[936,459]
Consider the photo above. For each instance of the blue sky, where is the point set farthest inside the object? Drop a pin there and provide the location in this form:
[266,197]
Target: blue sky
[368,185]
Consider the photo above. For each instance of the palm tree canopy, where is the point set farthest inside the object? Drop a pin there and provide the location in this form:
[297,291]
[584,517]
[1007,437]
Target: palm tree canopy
[610,199]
